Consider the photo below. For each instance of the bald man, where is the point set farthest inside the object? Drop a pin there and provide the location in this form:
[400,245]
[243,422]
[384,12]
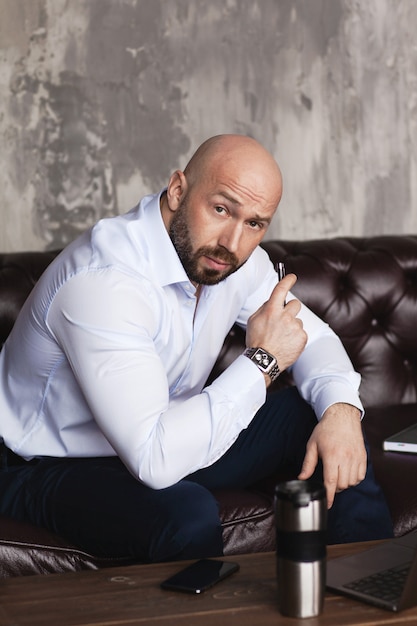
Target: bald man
[111,436]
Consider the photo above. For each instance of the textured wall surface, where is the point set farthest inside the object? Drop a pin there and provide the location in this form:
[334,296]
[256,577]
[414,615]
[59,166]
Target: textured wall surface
[101,99]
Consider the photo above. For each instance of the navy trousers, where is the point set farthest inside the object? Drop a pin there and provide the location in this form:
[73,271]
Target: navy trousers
[97,504]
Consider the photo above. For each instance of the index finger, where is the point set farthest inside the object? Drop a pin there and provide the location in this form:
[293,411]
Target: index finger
[280,292]
[330,480]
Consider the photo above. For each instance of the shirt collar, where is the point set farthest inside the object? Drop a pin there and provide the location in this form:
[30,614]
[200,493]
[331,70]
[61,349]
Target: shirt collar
[162,255]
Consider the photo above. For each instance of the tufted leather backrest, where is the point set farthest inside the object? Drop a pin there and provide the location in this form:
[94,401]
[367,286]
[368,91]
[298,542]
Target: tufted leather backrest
[365,288]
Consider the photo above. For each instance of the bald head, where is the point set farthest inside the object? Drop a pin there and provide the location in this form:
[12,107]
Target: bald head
[219,208]
[236,155]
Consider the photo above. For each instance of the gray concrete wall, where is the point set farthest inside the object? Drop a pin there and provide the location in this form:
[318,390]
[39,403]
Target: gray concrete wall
[101,99]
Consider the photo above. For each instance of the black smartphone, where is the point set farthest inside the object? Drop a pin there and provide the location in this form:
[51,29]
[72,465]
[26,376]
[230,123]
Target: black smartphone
[200,576]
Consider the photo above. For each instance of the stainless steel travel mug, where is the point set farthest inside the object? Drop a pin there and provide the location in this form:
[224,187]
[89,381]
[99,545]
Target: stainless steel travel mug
[301,518]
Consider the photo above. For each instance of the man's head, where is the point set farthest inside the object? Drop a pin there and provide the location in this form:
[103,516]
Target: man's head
[218,209]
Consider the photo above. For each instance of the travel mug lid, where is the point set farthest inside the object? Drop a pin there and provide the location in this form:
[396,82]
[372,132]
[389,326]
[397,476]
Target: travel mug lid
[300,492]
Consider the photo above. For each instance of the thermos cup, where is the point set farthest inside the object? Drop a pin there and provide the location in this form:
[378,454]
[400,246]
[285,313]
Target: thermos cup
[301,517]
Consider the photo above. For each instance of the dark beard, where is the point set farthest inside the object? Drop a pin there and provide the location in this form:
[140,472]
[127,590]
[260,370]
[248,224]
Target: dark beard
[180,237]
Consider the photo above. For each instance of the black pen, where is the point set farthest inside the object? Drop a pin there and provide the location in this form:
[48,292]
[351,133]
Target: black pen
[280,268]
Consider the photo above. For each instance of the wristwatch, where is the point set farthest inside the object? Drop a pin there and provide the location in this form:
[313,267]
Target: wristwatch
[265,361]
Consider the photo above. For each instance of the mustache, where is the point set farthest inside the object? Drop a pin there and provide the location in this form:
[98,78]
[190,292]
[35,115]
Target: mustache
[221,254]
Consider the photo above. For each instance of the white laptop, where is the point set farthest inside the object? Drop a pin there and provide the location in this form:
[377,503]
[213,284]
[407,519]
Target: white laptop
[403,441]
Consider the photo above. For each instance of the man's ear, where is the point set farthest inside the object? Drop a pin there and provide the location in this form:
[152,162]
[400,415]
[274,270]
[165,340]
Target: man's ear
[176,190]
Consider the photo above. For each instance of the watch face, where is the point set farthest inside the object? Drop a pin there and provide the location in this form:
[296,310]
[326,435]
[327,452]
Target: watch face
[263,359]
[266,362]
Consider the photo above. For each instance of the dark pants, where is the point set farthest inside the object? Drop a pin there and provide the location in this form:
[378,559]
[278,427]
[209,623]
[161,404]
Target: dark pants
[97,505]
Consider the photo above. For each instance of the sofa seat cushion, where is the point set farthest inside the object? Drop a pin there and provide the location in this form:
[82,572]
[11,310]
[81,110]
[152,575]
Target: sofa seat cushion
[396,472]
[247,519]
[27,550]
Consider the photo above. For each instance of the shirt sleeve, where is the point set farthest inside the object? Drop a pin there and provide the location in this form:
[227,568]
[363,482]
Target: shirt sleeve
[105,325]
[323,373]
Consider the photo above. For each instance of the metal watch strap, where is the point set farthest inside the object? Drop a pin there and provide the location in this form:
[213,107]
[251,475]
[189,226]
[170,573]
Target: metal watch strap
[274,372]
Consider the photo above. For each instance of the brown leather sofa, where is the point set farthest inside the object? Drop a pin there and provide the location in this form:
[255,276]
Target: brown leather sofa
[366,289]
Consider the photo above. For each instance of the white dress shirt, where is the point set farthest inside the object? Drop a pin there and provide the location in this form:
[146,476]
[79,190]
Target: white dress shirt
[110,355]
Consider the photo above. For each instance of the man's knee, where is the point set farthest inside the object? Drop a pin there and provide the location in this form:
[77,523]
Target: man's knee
[192,527]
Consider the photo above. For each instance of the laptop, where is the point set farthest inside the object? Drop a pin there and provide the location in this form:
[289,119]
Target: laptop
[404,441]
[385,575]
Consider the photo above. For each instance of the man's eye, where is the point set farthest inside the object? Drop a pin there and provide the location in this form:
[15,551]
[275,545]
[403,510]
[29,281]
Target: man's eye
[219,209]
[254,224]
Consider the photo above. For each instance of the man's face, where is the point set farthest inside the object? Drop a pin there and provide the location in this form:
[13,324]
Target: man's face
[196,270]
[214,233]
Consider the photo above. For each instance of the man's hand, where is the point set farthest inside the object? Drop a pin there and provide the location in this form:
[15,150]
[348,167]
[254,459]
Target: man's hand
[275,327]
[338,441]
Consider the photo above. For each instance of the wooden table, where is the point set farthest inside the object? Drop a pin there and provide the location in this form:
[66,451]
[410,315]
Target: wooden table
[131,595]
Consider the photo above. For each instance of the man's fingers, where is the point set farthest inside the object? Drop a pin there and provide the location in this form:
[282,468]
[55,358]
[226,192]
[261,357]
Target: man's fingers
[330,475]
[340,477]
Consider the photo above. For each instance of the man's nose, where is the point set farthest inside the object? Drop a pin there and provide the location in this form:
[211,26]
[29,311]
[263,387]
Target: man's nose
[230,237]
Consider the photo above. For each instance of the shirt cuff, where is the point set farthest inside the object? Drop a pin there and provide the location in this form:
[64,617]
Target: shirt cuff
[244,384]
[333,393]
